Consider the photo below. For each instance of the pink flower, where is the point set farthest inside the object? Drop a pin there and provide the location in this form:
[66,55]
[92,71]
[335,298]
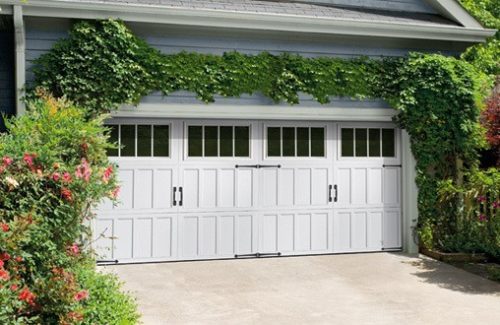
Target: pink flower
[5,256]
[5,227]
[496,205]
[27,296]
[28,159]
[2,263]
[482,218]
[56,176]
[7,161]
[13,287]
[106,176]
[4,275]
[83,170]
[66,194]
[19,259]
[114,193]
[66,177]
[81,295]
[74,250]
[481,199]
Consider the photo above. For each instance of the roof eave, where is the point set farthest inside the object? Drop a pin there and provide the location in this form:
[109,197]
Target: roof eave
[249,20]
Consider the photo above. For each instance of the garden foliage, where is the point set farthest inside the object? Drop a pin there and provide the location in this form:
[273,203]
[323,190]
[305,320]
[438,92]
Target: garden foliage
[439,98]
[53,171]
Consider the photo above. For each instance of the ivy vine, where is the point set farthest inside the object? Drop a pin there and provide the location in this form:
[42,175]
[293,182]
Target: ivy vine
[102,65]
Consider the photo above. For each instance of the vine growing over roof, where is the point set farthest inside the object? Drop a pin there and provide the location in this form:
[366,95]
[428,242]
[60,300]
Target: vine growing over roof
[102,65]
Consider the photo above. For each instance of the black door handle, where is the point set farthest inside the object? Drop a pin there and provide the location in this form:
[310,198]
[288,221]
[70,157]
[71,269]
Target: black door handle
[330,199]
[182,196]
[336,193]
[246,166]
[175,202]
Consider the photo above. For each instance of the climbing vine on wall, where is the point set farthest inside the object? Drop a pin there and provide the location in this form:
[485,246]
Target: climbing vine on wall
[102,65]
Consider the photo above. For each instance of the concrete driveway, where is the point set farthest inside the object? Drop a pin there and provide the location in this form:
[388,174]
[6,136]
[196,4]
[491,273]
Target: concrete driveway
[380,288]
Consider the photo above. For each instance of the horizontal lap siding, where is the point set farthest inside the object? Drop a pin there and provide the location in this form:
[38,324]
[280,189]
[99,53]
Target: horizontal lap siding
[7,82]
[41,34]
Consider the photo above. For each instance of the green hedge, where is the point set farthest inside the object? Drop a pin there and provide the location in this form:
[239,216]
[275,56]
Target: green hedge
[53,172]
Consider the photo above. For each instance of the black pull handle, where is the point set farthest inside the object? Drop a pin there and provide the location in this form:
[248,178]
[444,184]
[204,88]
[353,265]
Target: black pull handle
[336,193]
[330,199]
[175,191]
[182,196]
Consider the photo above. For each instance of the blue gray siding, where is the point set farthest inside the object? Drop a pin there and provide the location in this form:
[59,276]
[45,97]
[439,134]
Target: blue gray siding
[7,83]
[43,33]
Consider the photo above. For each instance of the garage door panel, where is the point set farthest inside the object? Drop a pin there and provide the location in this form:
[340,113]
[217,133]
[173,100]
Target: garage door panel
[269,233]
[392,185]
[320,180]
[359,186]
[126,198]
[163,237]
[103,236]
[343,182]
[303,186]
[357,230]
[208,188]
[226,188]
[286,185]
[226,238]
[162,188]
[123,238]
[375,186]
[143,237]
[191,186]
[286,233]
[245,188]
[269,187]
[392,229]
[246,234]
[143,189]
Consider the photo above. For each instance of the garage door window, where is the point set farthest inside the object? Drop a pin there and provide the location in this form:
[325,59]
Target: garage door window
[295,142]
[140,140]
[368,142]
[218,141]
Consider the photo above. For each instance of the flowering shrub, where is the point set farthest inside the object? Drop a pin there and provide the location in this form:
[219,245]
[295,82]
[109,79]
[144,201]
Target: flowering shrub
[478,223]
[53,171]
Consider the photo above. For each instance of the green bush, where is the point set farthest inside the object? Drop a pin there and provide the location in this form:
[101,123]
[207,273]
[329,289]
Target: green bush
[477,222]
[53,171]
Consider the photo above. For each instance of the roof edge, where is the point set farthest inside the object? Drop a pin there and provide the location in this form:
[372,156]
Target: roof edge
[453,10]
[253,21]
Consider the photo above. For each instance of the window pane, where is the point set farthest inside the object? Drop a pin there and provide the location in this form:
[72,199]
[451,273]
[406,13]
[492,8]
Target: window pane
[161,141]
[127,140]
[194,141]
[388,143]
[289,142]
[273,142]
[317,142]
[347,142]
[211,149]
[113,138]
[374,142]
[144,140]
[226,141]
[242,141]
[303,142]
[361,142]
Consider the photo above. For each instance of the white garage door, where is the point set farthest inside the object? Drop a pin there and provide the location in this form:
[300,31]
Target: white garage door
[223,189]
